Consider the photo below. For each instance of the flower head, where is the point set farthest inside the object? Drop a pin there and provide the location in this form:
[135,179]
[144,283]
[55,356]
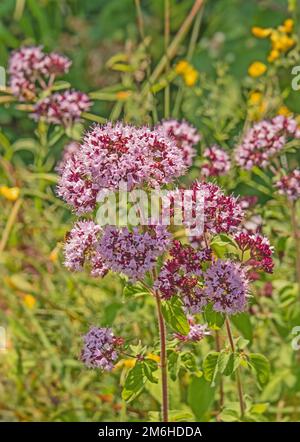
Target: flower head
[226,287]
[218,162]
[180,275]
[259,250]
[68,152]
[289,185]
[187,71]
[80,248]
[185,135]
[63,108]
[133,253]
[31,70]
[101,348]
[76,187]
[264,140]
[122,153]
[222,213]
[197,332]
[113,155]
[256,69]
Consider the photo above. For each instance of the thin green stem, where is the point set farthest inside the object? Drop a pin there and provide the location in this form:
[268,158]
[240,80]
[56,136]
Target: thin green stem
[296,234]
[173,47]
[140,19]
[9,225]
[238,377]
[190,52]
[167,40]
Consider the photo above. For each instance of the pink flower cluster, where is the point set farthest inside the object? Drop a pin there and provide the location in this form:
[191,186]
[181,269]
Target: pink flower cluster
[264,140]
[133,253]
[69,150]
[114,154]
[76,187]
[248,202]
[63,108]
[32,70]
[226,287]
[197,332]
[218,162]
[80,248]
[180,275]
[101,348]
[185,135]
[222,213]
[198,280]
[259,249]
[289,185]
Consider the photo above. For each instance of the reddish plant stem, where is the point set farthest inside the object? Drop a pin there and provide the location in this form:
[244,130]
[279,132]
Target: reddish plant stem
[238,378]
[163,360]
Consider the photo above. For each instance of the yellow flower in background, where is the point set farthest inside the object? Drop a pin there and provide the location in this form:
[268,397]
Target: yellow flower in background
[190,76]
[10,193]
[274,54]
[257,105]
[54,255]
[256,69]
[280,38]
[153,357]
[288,25]
[255,97]
[29,301]
[128,363]
[281,42]
[181,67]
[261,32]
[285,111]
[123,95]
[188,72]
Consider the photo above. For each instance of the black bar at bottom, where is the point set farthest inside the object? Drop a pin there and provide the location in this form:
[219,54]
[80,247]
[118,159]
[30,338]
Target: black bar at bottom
[148,431]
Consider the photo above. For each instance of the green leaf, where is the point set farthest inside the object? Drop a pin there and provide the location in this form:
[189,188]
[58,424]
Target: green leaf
[135,290]
[223,244]
[261,366]
[210,366]
[174,316]
[200,396]
[230,415]
[259,408]
[93,117]
[223,360]
[243,324]
[188,361]
[232,364]
[173,364]
[214,319]
[241,343]
[174,416]
[59,85]
[149,366]
[134,382]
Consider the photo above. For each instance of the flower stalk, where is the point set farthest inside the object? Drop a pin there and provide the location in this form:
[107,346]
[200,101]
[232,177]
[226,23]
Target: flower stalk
[238,377]
[296,234]
[163,360]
